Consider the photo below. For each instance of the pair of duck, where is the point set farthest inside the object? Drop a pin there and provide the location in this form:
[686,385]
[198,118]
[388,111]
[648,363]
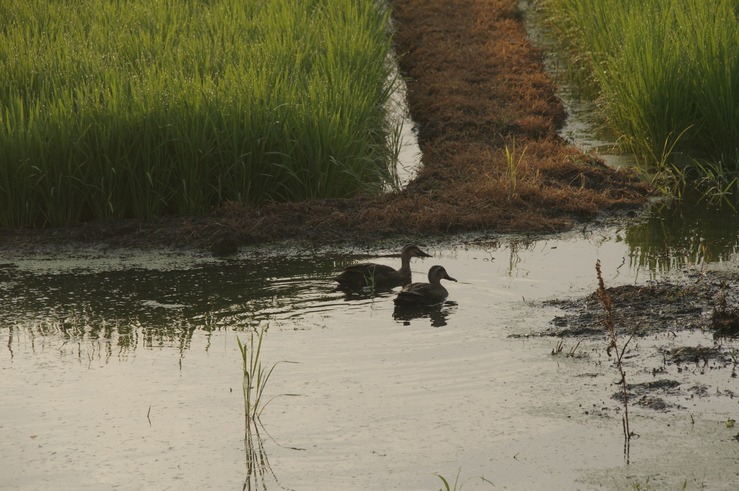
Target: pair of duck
[380,277]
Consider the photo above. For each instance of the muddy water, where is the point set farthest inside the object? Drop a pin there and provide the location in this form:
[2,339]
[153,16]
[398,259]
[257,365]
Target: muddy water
[120,369]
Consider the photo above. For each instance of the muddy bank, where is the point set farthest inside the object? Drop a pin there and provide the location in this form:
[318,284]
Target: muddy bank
[654,324]
[708,302]
[476,87]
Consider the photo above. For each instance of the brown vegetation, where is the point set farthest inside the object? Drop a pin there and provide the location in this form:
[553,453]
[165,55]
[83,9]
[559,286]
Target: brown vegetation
[476,86]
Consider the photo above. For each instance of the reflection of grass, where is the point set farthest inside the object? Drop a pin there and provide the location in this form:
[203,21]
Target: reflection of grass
[257,461]
[683,234]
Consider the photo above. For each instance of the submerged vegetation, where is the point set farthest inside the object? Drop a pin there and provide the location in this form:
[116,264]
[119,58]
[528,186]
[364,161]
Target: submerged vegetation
[142,108]
[667,76]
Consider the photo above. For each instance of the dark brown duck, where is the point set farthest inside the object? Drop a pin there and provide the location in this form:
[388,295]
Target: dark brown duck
[431,293]
[380,276]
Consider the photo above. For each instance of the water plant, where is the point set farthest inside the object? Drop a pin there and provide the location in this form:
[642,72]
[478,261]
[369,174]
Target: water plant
[558,350]
[447,486]
[144,108]
[456,485]
[613,349]
[666,75]
[256,375]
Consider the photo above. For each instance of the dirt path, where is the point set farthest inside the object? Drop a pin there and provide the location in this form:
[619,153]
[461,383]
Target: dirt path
[476,86]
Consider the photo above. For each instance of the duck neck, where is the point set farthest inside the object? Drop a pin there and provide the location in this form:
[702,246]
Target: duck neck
[405,264]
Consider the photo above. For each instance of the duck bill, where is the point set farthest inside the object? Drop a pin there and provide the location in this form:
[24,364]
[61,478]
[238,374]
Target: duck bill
[450,278]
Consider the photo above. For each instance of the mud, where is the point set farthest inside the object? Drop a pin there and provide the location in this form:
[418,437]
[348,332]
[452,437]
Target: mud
[707,302]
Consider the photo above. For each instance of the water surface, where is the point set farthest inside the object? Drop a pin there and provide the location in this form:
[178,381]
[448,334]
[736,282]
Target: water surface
[120,369]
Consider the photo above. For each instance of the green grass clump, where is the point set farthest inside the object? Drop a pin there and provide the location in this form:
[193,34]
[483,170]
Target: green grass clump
[666,73]
[138,108]
[256,376]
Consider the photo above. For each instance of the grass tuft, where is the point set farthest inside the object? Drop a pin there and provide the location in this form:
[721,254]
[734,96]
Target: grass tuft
[256,377]
[513,162]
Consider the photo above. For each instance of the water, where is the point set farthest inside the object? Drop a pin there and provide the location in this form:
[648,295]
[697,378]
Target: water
[120,369]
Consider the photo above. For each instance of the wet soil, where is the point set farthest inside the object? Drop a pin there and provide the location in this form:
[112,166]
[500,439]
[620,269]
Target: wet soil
[707,303]
[476,86]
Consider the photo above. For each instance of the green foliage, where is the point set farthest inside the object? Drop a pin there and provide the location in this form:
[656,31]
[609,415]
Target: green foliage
[256,376]
[666,71]
[137,108]
[457,485]
[513,162]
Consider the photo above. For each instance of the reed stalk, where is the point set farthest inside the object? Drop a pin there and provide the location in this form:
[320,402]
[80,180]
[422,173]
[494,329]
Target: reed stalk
[607,301]
[256,375]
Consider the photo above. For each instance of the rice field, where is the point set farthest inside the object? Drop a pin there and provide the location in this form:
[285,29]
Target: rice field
[666,73]
[141,108]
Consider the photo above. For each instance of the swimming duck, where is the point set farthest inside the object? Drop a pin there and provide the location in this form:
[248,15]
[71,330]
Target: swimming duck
[430,293]
[379,276]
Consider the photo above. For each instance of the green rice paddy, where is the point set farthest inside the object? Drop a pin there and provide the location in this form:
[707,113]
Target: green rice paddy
[140,108]
[666,73]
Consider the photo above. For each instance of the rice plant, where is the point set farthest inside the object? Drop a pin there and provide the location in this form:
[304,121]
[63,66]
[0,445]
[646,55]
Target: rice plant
[140,108]
[666,73]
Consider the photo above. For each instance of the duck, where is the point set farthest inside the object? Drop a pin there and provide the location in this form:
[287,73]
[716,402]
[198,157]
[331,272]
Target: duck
[380,276]
[431,293]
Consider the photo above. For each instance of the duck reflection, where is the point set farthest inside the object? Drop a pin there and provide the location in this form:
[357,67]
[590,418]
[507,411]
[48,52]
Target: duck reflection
[363,295]
[437,314]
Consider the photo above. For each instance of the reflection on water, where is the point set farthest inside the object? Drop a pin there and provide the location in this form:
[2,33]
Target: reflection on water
[105,313]
[437,314]
[687,234]
[103,342]
[259,471]
[110,313]
[114,312]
